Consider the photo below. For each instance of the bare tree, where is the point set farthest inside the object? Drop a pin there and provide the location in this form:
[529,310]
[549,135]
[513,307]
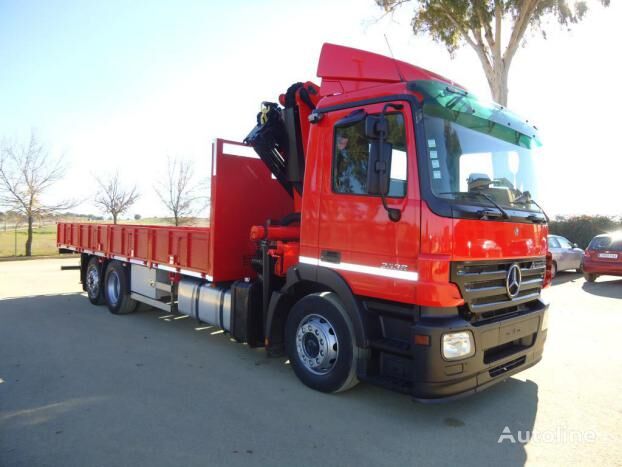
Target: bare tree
[112,197]
[26,172]
[177,191]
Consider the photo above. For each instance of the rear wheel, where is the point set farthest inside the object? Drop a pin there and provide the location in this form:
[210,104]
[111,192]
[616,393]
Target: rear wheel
[93,282]
[320,343]
[590,277]
[553,269]
[117,289]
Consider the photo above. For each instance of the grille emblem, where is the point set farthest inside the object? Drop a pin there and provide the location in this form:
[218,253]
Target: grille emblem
[513,281]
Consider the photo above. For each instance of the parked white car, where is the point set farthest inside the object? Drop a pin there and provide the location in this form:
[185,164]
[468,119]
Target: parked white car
[566,255]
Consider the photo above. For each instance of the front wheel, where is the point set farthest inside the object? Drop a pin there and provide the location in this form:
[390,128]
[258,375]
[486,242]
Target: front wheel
[320,343]
[117,289]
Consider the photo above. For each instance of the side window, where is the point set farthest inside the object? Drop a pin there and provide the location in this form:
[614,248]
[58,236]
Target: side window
[351,154]
[564,243]
[553,243]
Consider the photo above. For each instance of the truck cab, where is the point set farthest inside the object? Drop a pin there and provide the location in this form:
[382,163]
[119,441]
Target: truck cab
[418,205]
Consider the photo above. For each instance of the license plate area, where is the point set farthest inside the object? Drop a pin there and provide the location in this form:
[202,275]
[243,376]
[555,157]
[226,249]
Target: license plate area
[513,331]
[508,339]
[608,255]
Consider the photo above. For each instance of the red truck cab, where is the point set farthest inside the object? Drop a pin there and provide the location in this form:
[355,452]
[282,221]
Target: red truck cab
[402,245]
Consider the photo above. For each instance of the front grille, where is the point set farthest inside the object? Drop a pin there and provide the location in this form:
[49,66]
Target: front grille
[483,286]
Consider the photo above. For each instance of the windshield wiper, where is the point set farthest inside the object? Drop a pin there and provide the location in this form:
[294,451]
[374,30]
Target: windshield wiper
[526,198]
[483,213]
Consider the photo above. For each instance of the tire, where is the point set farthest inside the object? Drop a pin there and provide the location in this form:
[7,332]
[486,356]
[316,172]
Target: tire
[590,277]
[319,341]
[117,289]
[94,281]
[553,269]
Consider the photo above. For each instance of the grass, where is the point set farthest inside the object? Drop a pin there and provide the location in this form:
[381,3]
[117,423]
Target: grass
[43,241]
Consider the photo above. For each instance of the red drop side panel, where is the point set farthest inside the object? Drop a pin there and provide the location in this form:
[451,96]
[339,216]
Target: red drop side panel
[243,194]
[174,247]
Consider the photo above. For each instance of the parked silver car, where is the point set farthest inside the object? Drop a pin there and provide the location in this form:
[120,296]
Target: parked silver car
[566,255]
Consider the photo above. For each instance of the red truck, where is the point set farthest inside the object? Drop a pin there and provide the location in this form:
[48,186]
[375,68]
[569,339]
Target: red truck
[380,227]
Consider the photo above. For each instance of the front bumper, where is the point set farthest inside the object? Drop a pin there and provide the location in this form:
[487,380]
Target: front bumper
[502,349]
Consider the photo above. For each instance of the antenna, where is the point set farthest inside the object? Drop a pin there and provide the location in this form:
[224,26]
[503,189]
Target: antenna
[397,68]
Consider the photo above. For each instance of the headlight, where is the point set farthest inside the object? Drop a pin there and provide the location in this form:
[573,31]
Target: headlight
[458,345]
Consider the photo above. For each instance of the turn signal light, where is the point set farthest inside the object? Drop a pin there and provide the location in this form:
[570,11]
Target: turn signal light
[421,339]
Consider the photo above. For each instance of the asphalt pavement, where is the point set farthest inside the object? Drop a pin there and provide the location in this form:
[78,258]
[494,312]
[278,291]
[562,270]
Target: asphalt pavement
[82,387]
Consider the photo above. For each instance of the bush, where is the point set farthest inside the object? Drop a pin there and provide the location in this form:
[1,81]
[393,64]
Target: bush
[581,229]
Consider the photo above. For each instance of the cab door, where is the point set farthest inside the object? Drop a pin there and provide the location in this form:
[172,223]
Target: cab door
[377,256]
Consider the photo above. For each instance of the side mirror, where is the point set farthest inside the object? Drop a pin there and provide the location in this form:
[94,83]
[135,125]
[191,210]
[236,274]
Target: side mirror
[574,245]
[380,155]
[376,127]
[379,168]
[379,163]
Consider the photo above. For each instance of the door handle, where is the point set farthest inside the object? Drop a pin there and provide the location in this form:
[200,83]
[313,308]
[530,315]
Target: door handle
[330,256]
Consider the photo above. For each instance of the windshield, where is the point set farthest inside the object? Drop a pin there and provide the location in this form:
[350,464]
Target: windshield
[475,149]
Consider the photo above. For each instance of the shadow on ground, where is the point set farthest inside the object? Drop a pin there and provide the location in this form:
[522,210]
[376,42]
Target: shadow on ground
[81,387]
[563,277]
[605,287]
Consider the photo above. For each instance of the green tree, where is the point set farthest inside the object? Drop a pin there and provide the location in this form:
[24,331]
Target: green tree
[581,229]
[480,23]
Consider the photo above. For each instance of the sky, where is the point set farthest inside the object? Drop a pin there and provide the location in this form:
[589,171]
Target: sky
[120,85]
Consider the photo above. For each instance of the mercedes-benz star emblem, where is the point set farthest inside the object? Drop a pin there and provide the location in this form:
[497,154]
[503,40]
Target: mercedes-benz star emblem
[513,280]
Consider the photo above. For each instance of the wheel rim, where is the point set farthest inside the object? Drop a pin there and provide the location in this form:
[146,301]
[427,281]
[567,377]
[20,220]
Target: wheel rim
[317,345]
[113,287]
[92,281]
